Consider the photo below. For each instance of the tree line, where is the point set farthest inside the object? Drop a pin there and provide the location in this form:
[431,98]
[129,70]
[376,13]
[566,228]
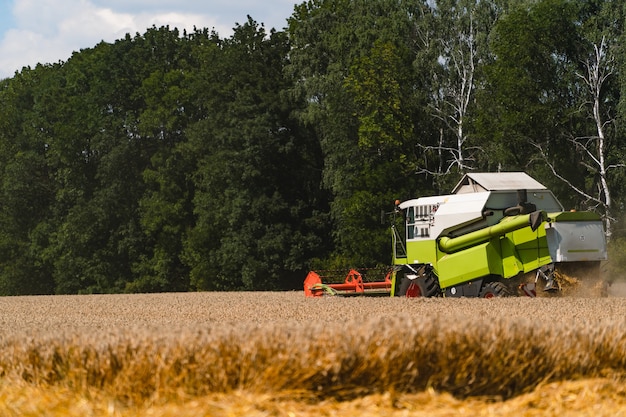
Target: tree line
[170,161]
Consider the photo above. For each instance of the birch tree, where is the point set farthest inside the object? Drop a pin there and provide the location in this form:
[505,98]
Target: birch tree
[461,48]
[595,147]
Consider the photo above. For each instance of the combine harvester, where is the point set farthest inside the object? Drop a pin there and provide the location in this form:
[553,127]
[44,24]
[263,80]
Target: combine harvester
[497,234]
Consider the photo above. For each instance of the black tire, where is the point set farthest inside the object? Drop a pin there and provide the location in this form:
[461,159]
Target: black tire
[404,286]
[430,285]
[494,289]
[426,285]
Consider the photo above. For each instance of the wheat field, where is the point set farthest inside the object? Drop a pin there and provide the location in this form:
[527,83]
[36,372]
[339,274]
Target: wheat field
[281,354]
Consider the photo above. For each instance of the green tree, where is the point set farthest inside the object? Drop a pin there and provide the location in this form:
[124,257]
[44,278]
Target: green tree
[257,179]
[166,207]
[26,186]
[101,136]
[526,98]
[384,108]
[353,63]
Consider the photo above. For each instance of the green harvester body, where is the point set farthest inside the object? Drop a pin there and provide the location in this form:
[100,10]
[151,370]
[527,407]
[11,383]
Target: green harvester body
[494,228]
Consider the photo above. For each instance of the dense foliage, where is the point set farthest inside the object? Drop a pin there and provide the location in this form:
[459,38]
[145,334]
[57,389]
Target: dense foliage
[174,162]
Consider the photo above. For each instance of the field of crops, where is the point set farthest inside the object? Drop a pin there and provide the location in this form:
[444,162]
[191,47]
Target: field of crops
[280,354]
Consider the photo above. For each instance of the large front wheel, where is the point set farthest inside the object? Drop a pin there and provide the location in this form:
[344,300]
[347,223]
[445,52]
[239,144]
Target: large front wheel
[425,284]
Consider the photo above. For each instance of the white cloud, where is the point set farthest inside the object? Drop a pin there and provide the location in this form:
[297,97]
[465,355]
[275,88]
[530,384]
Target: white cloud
[21,48]
[47,31]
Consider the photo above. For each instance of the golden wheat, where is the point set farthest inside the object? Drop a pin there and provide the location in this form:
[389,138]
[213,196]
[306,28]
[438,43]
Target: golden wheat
[280,351]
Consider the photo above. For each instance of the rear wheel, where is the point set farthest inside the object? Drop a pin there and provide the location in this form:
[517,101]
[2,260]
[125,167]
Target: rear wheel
[494,289]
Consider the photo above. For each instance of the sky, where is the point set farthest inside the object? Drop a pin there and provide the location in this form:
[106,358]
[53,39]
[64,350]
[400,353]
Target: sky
[49,31]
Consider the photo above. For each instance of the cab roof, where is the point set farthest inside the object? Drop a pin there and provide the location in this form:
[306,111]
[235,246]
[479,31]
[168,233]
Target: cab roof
[496,181]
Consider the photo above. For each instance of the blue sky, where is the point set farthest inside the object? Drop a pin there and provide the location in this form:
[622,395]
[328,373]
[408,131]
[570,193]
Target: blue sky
[45,31]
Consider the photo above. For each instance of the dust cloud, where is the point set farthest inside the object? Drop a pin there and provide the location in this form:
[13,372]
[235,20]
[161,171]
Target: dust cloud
[617,289]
